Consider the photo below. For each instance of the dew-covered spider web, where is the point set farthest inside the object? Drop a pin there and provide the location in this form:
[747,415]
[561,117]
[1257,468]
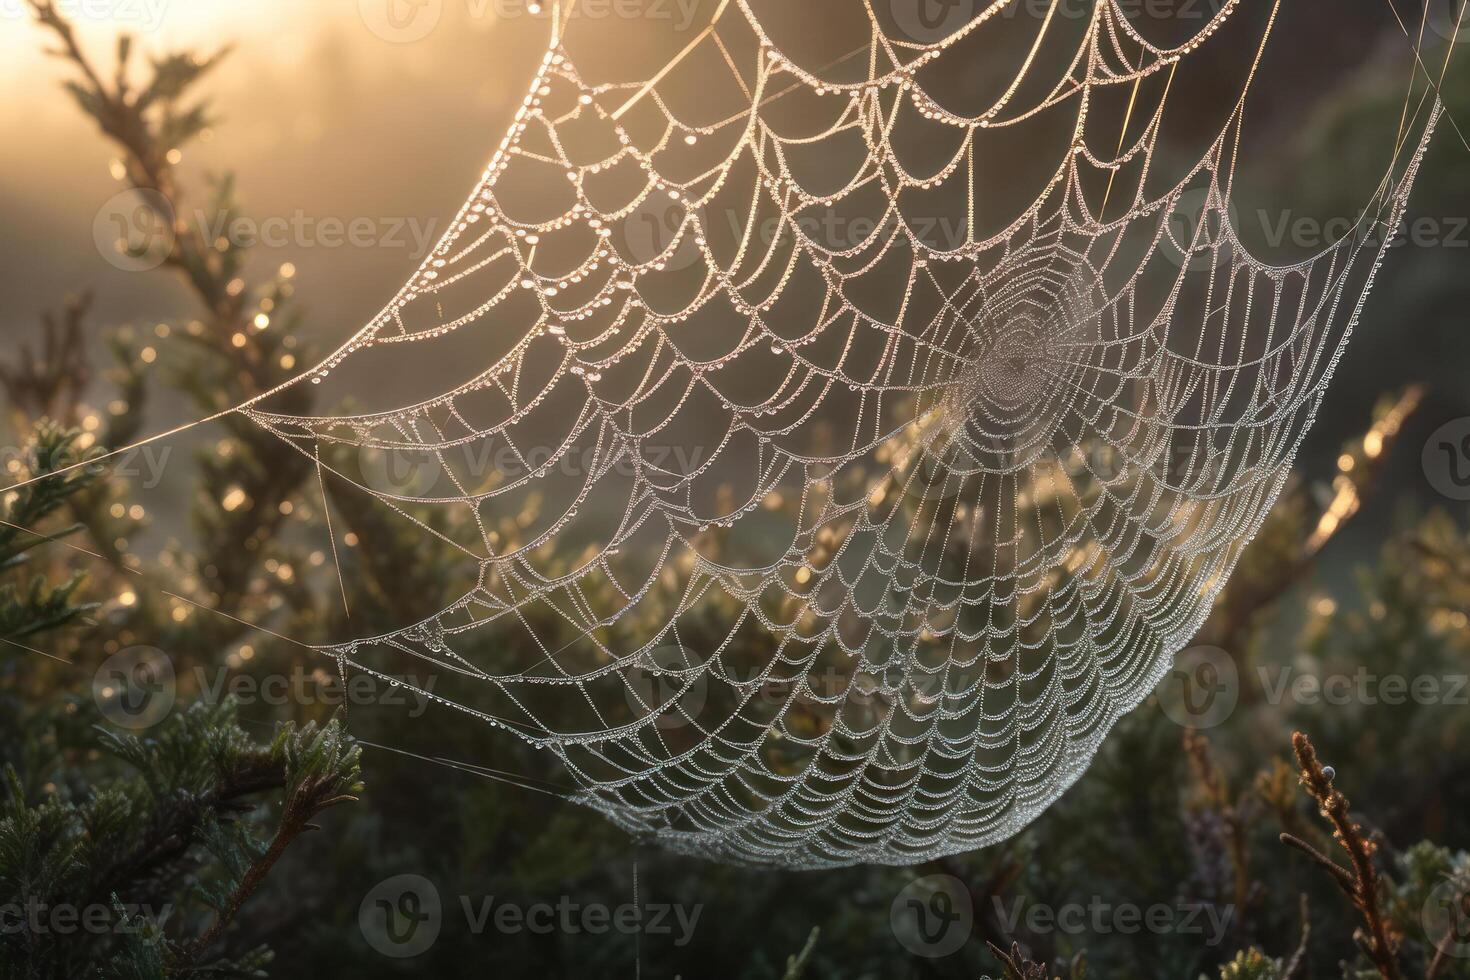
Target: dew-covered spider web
[840,433]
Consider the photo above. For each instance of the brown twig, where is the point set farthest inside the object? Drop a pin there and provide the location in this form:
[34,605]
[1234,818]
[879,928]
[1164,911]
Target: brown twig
[1197,748]
[1018,966]
[123,119]
[50,384]
[1342,876]
[142,122]
[1379,942]
[299,809]
[1437,964]
[173,833]
[1447,942]
[1297,965]
[797,963]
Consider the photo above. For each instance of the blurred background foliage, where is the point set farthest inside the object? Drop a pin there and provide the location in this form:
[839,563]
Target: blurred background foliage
[1361,569]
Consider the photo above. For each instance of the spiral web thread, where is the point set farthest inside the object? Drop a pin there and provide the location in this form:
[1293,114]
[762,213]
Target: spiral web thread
[813,549]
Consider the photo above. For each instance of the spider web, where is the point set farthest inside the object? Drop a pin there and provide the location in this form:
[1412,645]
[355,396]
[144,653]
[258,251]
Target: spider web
[836,460]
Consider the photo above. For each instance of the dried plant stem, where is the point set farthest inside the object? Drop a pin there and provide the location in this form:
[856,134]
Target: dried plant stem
[1018,966]
[1378,939]
[1197,748]
[1297,965]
